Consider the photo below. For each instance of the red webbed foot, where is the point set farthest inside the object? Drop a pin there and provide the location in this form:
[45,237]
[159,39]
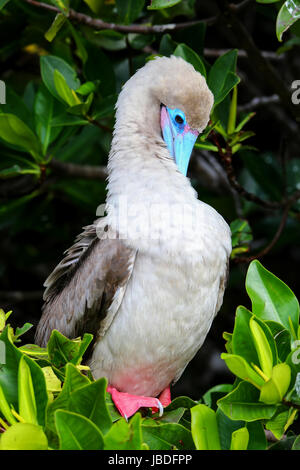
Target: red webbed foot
[128,404]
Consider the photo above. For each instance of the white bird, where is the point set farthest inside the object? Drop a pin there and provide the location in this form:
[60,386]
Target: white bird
[148,278]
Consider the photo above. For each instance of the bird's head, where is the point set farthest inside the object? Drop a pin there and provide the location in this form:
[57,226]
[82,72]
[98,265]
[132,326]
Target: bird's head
[167,100]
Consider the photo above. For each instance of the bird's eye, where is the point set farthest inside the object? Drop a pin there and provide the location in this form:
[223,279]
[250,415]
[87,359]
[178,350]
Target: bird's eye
[178,119]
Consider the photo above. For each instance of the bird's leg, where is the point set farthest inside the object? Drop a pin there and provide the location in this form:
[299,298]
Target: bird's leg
[164,398]
[128,404]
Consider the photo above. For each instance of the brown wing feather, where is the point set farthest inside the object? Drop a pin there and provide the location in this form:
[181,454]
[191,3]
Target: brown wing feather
[86,288]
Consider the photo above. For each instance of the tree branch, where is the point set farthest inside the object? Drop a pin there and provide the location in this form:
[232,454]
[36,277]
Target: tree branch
[98,24]
[74,170]
[270,55]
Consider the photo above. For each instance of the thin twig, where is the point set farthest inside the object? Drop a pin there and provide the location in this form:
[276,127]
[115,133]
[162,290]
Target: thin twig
[268,248]
[259,101]
[98,24]
[226,161]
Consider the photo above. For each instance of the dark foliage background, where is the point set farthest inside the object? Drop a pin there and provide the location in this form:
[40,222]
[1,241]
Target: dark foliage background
[41,214]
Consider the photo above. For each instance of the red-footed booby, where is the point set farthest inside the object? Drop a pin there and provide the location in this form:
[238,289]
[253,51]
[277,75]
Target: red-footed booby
[148,278]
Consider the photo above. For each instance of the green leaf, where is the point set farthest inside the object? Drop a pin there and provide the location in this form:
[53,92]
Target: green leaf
[240,439]
[73,381]
[21,331]
[16,132]
[3,3]
[277,423]
[204,428]
[257,437]
[27,403]
[51,63]
[238,366]
[5,408]
[271,298]
[129,10]
[43,112]
[262,347]
[190,56]
[167,46]
[89,401]
[213,394]
[226,427]
[17,170]
[62,349]
[53,384]
[65,93]
[95,5]
[166,436]
[273,390]
[241,232]
[288,14]
[282,339]
[76,432]
[139,41]
[66,119]
[24,436]
[243,404]
[125,436]
[9,378]
[57,24]
[160,4]
[222,78]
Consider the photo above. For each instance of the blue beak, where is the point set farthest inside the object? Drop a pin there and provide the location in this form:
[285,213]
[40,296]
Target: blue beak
[178,136]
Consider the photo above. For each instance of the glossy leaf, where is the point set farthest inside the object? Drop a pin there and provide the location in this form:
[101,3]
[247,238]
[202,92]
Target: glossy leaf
[3,3]
[73,381]
[288,14]
[204,428]
[262,347]
[222,78]
[26,397]
[243,404]
[129,10]
[43,113]
[274,389]
[65,93]
[16,132]
[160,4]
[166,436]
[51,63]
[241,232]
[125,436]
[24,436]
[240,439]
[238,366]
[9,378]
[57,24]
[62,349]
[89,401]
[5,409]
[77,432]
[271,298]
